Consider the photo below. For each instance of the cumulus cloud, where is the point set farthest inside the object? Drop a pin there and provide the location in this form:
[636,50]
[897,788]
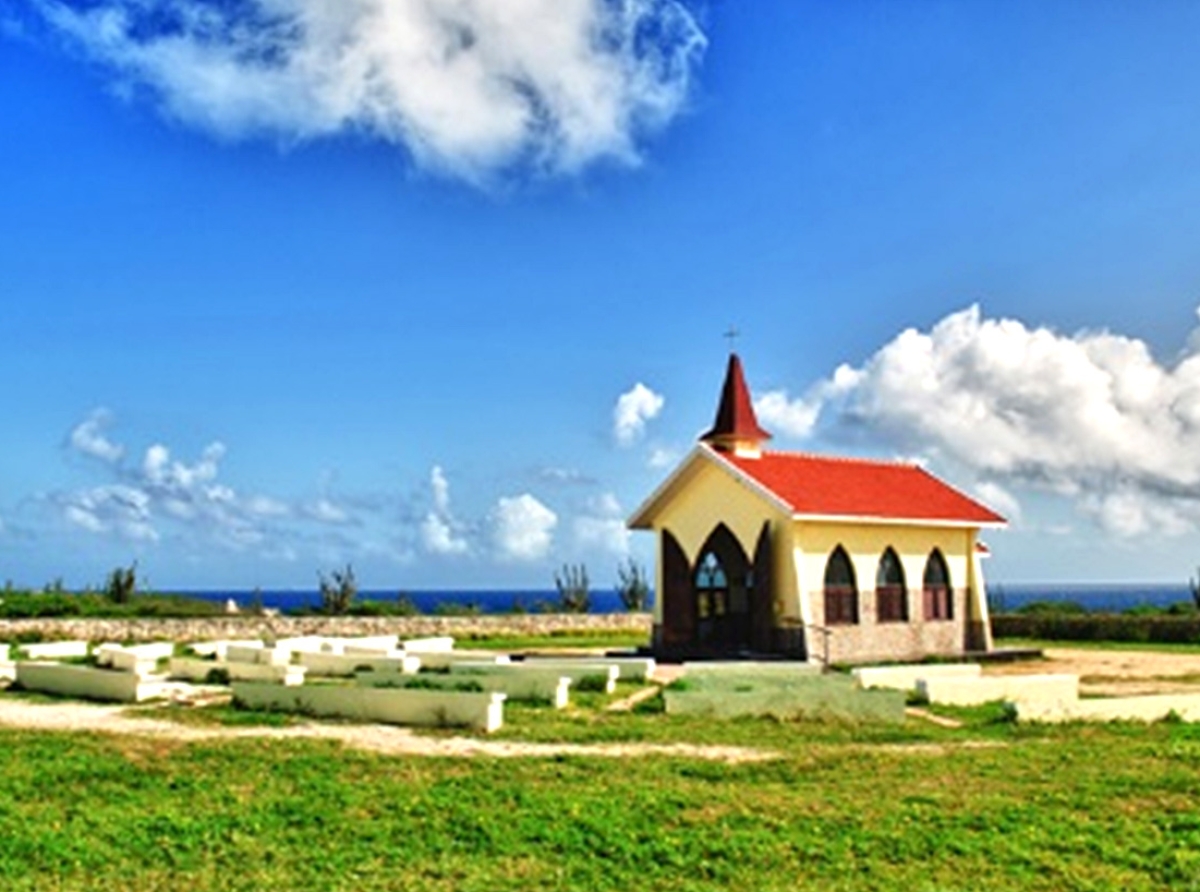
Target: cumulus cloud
[603,526]
[89,438]
[523,528]
[440,533]
[146,498]
[1093,416]
[467,87]
[634,408]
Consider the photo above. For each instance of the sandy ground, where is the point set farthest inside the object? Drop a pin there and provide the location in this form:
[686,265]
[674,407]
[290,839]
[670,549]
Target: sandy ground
[1103,672]
[1115,672]
[76,716]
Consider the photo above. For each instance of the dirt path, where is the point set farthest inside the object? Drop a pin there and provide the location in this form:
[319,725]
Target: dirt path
[1116,672]
[73,716]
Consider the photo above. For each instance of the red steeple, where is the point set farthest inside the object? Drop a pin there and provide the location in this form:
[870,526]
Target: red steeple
[736,428]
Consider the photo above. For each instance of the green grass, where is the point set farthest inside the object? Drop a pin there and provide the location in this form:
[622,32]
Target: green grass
[1160,647]
[1077,808]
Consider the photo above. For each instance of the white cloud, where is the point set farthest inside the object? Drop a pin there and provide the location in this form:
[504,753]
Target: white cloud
[1092,416]
[468,87]
[634,408]
[603,526]
[88,437]
[999,499]
[523,528]
[326,511]
[440,532]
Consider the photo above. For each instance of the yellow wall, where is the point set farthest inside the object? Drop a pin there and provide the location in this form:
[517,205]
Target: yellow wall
[709,496]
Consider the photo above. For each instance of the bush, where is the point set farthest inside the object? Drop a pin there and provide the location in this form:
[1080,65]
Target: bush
[337,591]
[1054,608]
[573,592]
[632,586]
[1159,629]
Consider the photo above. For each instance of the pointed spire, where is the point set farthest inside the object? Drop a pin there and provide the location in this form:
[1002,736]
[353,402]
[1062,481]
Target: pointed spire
[736,428]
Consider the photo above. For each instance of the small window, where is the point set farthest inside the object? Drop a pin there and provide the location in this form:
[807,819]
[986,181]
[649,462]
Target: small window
[937,593]
[891,594]
[712,588]
[841,591]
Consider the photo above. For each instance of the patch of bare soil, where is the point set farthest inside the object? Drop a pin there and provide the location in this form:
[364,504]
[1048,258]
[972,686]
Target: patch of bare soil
[74,716]
[1115,672]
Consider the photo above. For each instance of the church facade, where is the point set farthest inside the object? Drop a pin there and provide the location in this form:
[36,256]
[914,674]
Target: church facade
[812,557]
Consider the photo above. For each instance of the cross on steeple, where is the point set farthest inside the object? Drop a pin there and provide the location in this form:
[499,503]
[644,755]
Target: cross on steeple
[732,335]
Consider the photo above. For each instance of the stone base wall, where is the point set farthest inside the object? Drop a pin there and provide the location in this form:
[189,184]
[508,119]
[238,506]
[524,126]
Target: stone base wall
[237,627]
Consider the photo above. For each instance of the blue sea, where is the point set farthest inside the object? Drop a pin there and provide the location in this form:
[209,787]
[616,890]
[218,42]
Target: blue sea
[1001,597]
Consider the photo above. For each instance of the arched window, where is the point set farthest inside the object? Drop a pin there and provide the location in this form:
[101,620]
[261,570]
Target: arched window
[891,594]
[937,594]
[712,588]
[841,591]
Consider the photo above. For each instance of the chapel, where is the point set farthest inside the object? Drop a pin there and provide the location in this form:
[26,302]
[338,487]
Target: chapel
[825,558]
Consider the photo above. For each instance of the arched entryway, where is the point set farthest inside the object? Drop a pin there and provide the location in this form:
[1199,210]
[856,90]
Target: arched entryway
[723,602]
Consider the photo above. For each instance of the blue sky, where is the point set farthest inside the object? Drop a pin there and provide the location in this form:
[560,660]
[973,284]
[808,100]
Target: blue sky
[439,289]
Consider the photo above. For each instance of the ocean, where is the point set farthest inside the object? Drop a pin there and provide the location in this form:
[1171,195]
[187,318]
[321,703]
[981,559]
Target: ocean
[1002,597]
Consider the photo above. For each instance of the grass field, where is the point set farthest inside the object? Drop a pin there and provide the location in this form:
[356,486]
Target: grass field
[991,806]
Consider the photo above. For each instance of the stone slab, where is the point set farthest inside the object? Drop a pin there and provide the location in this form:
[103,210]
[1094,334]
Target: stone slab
[1146,708]
[1050,689]
[905,677]
[395,706]
[85,682]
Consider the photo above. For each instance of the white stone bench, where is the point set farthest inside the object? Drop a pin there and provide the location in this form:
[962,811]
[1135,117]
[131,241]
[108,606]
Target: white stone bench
[55,650]
[1050,689]
[1145,708]
[905,678]
[8,670]
[395,706]
[344,665]
[576,671]
[86,682]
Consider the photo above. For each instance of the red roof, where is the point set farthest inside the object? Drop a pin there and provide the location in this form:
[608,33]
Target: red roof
[735,414]
[852,487]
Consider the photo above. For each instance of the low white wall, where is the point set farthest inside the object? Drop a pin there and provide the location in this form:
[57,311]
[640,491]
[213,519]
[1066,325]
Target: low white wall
[373,644]
[576,671]
[1051,689]
[220,647]
[264,656]
[344,665]
[628,668]
[8,670]
[55,650]
[301,644]
[3,651]
[531,684]
[1147,708]
[194,669]
[395,706]
[905,678]
[442,659]
[86,682]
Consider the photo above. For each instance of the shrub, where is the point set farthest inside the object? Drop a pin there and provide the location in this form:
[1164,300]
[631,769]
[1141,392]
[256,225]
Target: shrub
[1161,629]
[632,586]
[337,591]
[573,592]
[121,584]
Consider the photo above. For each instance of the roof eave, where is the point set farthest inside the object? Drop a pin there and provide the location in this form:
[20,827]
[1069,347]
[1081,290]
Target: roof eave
[901,521]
